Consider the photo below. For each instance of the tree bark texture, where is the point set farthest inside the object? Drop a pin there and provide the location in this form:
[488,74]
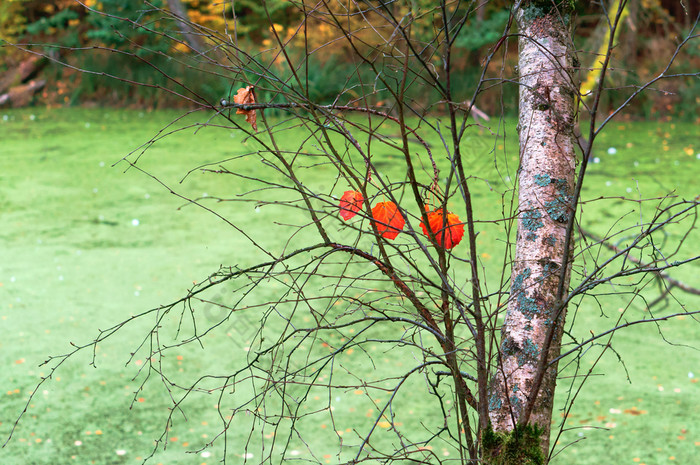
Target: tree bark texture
[546,183]
[192,37]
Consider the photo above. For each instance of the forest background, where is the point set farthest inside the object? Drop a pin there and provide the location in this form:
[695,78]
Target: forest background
[649,30]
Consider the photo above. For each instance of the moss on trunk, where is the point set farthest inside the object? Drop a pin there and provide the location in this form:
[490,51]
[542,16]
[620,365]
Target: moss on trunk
[521,446]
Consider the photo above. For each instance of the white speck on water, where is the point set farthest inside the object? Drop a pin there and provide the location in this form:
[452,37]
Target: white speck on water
[690,374]
[134,222]
[102,164]
[294,452]
[629,189]
[697,155]
[204,194]
[206,454]
[12,279]
[137,293]
[612,151]
[676,163]
[32,117]
[5,117]
[596,160]
[60,278]
[636,163]
[94,190]
[257,209]
[78,443]
[87,125]
[608,183]
[147,196]
[248,455]
[120,452]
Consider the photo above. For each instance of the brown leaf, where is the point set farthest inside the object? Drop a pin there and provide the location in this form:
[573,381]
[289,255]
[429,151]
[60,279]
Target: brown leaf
[245,96]
[634,411]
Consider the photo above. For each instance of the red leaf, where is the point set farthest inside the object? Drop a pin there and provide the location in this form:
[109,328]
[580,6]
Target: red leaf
[448,236]
[388,219]
[350,204]
[245,96]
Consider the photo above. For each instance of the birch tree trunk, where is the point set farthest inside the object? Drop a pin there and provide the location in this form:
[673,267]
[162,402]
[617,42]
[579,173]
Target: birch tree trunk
[523,389]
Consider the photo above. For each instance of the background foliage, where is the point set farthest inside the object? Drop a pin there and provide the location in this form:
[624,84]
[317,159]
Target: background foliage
[652,28]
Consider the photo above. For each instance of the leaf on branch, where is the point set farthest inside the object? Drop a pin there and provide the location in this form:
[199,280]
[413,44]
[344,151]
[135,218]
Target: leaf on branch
[245,96]
[350,204]
[388,219]
[447,233]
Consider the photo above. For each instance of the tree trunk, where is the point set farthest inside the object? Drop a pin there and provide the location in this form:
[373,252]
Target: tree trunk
[21,96]
[193,39]
[26,69]
[523,390]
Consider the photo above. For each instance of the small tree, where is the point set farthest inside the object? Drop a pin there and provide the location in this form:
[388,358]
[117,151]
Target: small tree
[385,253]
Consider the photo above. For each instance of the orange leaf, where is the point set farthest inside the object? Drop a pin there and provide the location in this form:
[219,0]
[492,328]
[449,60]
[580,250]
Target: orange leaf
[388,219]
[350,204]
[245,96]
[448,236]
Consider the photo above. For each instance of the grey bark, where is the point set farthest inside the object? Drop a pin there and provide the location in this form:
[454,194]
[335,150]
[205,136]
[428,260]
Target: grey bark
[192,37]
[546,183]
